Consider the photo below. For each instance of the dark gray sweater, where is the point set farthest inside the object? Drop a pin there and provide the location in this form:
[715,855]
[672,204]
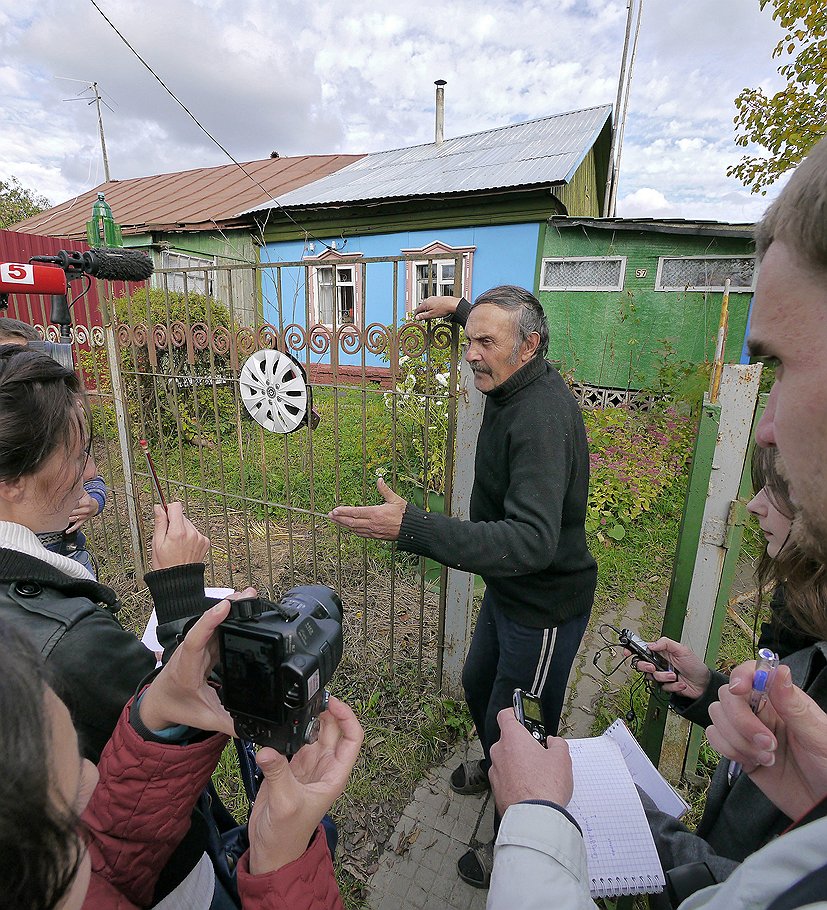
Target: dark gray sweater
[526,536]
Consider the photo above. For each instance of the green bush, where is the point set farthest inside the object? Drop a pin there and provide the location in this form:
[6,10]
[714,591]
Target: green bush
[633,458]
[682,382]
[181,393]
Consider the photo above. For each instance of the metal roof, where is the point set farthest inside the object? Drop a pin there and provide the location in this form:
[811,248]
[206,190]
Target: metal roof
[546,151]
[658,226]
[200,199]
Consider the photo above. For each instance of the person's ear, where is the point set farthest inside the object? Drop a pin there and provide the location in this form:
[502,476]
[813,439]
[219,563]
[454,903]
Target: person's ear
[530,346]
[13,491]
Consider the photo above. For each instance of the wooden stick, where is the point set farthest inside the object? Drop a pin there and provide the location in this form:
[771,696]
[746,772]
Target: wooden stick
[736,618]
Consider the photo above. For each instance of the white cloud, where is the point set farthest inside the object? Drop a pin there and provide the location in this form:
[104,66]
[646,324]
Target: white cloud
[645,203]
[319,78]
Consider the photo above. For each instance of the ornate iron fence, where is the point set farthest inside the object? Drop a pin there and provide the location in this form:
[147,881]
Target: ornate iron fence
[165,367]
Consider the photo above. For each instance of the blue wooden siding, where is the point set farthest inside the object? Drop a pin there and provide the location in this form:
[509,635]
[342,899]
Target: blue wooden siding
[503,254]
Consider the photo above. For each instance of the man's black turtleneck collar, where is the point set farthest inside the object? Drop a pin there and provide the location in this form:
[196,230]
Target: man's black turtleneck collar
[527,373]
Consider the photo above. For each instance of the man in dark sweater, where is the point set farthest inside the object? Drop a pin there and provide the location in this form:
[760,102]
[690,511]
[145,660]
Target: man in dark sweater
[526,535]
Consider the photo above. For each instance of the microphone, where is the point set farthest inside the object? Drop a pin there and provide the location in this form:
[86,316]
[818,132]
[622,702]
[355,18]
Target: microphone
[108,264]
[118,265]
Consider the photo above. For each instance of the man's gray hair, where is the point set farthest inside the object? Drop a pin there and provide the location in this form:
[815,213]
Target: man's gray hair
[532,318]
[798,217]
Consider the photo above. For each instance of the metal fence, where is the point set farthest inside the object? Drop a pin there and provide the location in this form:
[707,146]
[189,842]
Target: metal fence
[165,367]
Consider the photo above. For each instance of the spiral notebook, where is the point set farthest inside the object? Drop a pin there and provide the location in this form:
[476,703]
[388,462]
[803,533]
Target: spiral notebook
[620,851]
[645,774]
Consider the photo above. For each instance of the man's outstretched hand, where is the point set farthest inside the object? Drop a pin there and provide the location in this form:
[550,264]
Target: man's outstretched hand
[380,522]
[437,307]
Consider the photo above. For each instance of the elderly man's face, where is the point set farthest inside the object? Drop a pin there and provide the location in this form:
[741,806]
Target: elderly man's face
[789,324]
[493,335]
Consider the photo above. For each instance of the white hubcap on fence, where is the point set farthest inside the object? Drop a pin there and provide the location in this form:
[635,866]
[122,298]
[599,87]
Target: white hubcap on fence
[274,391]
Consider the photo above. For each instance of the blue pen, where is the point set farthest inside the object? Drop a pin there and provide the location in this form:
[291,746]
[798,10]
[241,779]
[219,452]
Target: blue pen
[765,668]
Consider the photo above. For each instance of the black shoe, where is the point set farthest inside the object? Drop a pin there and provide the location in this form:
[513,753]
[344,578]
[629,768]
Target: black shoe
[475,866]
[469,778]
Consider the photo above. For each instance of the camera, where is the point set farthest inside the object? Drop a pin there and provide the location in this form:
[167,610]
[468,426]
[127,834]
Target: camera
[529,712]
[276,659]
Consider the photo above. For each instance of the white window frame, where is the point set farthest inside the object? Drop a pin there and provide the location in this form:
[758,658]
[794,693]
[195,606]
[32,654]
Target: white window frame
[618,287]
[442,286]
[437,253]
[198,282]
[331,259]
[735,289]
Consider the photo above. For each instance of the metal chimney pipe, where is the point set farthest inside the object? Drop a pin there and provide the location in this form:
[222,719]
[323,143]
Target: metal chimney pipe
[440,111]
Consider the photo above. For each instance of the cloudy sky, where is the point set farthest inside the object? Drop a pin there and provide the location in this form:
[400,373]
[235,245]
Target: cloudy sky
[311,78]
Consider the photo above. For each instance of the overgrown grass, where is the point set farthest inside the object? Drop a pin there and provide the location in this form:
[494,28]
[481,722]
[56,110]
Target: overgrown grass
[638,568]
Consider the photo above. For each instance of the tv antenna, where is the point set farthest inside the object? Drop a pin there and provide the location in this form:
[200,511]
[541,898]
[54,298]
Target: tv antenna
[97,101]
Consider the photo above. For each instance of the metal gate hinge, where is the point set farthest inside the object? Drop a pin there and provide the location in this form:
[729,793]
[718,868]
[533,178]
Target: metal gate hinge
[714,532]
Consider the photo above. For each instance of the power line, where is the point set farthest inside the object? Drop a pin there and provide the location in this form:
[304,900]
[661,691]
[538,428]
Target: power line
[206,132]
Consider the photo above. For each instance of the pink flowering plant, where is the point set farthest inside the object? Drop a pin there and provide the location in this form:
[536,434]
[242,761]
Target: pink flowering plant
[633,458]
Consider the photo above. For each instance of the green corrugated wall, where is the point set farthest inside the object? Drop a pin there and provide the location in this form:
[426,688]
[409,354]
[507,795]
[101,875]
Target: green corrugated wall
[612,339]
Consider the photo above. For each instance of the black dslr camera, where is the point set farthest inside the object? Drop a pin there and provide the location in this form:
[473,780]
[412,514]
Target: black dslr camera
[276,659]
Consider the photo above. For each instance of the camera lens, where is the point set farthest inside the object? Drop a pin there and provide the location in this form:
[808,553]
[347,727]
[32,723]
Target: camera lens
[311,734]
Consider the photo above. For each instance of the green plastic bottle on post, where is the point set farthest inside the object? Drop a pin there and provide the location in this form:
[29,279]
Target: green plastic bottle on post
[102,229]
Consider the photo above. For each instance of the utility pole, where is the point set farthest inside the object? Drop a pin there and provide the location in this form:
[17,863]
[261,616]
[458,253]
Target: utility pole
[100,127]
[623,85]
[97,101]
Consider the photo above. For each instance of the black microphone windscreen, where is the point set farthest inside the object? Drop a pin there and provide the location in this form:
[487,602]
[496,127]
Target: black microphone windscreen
[118,264]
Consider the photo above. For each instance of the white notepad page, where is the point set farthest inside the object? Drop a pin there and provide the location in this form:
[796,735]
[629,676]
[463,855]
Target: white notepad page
[621,853]
[150,636]
[645,774]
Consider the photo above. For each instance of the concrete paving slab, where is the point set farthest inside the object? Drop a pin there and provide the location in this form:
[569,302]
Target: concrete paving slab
[418,868]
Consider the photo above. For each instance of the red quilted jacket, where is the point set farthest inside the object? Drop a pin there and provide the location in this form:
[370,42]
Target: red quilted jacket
[141,809]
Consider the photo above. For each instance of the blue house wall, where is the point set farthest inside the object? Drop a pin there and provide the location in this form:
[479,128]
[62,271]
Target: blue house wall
[503,254]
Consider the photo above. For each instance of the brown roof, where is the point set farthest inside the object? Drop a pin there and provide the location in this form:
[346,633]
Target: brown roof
[200,199]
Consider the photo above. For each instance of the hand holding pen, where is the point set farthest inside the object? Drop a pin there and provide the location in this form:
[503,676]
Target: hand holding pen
[784,749]
[176,541]
[762,678]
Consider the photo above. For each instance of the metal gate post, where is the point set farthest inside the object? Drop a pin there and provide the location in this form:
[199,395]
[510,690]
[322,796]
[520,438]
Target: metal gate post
[460,585]
[124,442]
[738,395]
[651,737]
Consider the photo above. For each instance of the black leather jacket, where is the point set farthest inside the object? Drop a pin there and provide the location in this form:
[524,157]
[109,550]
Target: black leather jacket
[94,664]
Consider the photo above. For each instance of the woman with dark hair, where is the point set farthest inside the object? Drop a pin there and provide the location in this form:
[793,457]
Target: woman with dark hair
[738,819]
[44,459]
[70,838]
[798,583]
[95,665]
[40,842]
[68,540]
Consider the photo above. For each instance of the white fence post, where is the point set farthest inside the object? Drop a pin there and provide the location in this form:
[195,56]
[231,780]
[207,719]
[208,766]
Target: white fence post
[459,592]
[124,442]
[737,399]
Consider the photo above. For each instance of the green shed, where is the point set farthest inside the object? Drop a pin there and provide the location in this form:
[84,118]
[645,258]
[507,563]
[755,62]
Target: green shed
[621,292]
